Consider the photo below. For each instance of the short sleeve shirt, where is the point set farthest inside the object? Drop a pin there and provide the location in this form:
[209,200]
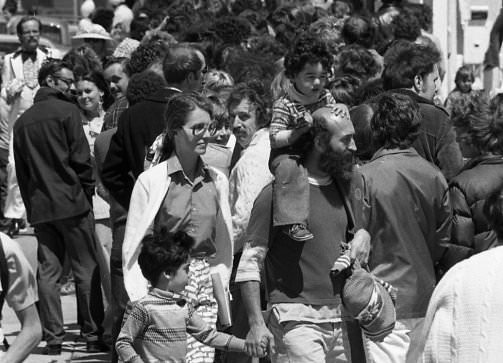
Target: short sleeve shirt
[22,291]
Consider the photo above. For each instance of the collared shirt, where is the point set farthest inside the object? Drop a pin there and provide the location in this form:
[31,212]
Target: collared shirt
[190,206]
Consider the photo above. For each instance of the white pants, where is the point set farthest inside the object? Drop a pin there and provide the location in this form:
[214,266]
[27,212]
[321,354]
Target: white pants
[305,342]
[398,346]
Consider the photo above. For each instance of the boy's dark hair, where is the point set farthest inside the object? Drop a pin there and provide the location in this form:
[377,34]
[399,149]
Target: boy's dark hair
[308,49]
[359,62]
[493,211]
[414,60]
[396,121]
[360,30]
[163,252]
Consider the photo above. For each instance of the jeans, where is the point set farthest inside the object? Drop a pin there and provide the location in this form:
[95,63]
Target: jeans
[76,236]
[306,342]
[290,190]
[398,346]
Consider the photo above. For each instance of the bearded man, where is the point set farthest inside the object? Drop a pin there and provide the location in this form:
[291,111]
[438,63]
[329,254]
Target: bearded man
[306,323]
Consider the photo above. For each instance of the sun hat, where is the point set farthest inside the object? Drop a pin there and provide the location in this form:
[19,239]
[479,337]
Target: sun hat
[90,30]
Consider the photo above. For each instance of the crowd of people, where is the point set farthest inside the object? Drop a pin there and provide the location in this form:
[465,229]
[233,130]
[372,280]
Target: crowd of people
[282,182]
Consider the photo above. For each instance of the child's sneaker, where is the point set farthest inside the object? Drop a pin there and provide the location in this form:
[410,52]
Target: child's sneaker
[298,232]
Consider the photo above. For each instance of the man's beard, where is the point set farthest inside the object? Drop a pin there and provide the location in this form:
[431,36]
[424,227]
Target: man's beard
[338,164]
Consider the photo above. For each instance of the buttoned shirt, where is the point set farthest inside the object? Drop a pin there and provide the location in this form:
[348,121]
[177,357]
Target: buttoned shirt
[190,206]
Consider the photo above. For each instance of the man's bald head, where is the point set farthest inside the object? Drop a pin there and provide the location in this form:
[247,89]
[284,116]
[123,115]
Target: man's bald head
[330,119]
[333,141]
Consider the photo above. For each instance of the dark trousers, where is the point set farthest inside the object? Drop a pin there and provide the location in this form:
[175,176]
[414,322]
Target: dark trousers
[118,217]
[4,160]
[290,190]
[76,237]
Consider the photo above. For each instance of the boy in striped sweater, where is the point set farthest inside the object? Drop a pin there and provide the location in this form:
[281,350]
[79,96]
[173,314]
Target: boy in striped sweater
[307,65]
[155,327]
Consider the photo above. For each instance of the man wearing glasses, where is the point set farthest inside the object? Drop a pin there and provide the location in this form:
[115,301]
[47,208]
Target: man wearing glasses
[19,86]
[53,163]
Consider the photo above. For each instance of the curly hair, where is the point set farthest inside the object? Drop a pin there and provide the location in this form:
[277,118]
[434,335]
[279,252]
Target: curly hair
[357,61]
[267,46]
[360,30]
[396,121]
[147,53]
[423,13]
[177,111]
[142,85]
[493,211]
[483,123]
[163,252]
[406,26]
[344,89]
[233,30]
[409,62]
[307,49]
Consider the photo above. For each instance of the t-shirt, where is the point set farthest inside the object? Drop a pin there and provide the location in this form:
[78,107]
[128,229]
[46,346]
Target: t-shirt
[22,290]
[298,272]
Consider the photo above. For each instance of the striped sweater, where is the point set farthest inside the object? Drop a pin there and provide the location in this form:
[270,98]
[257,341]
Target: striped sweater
[155,329]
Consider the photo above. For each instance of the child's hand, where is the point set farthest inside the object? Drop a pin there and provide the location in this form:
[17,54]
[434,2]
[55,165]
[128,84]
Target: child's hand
[305,121]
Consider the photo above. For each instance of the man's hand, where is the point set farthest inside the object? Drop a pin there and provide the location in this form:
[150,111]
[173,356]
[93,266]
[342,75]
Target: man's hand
[259,340]
[14,88]
[360,247]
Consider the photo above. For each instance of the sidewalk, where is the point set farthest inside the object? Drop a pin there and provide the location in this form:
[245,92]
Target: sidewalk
[74,348]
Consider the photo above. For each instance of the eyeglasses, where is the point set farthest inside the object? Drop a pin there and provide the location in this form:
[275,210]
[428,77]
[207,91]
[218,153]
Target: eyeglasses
[68,81]
[200,129]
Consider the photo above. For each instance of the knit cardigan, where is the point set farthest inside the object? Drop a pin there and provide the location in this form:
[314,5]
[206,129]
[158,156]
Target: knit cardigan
[148,193]
[464,319]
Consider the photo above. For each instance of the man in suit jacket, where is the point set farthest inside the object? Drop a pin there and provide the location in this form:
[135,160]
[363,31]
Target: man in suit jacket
[19,86]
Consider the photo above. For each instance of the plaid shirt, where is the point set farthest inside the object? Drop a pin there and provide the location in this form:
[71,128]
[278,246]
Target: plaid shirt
[112,116]
[155,329]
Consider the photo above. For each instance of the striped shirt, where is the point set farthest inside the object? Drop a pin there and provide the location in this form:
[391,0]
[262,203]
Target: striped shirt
[155,329]
[287,113]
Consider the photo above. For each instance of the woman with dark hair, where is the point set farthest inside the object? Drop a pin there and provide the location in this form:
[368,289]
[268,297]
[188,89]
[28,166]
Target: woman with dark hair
[94,98]
[184,194]
[480,137]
